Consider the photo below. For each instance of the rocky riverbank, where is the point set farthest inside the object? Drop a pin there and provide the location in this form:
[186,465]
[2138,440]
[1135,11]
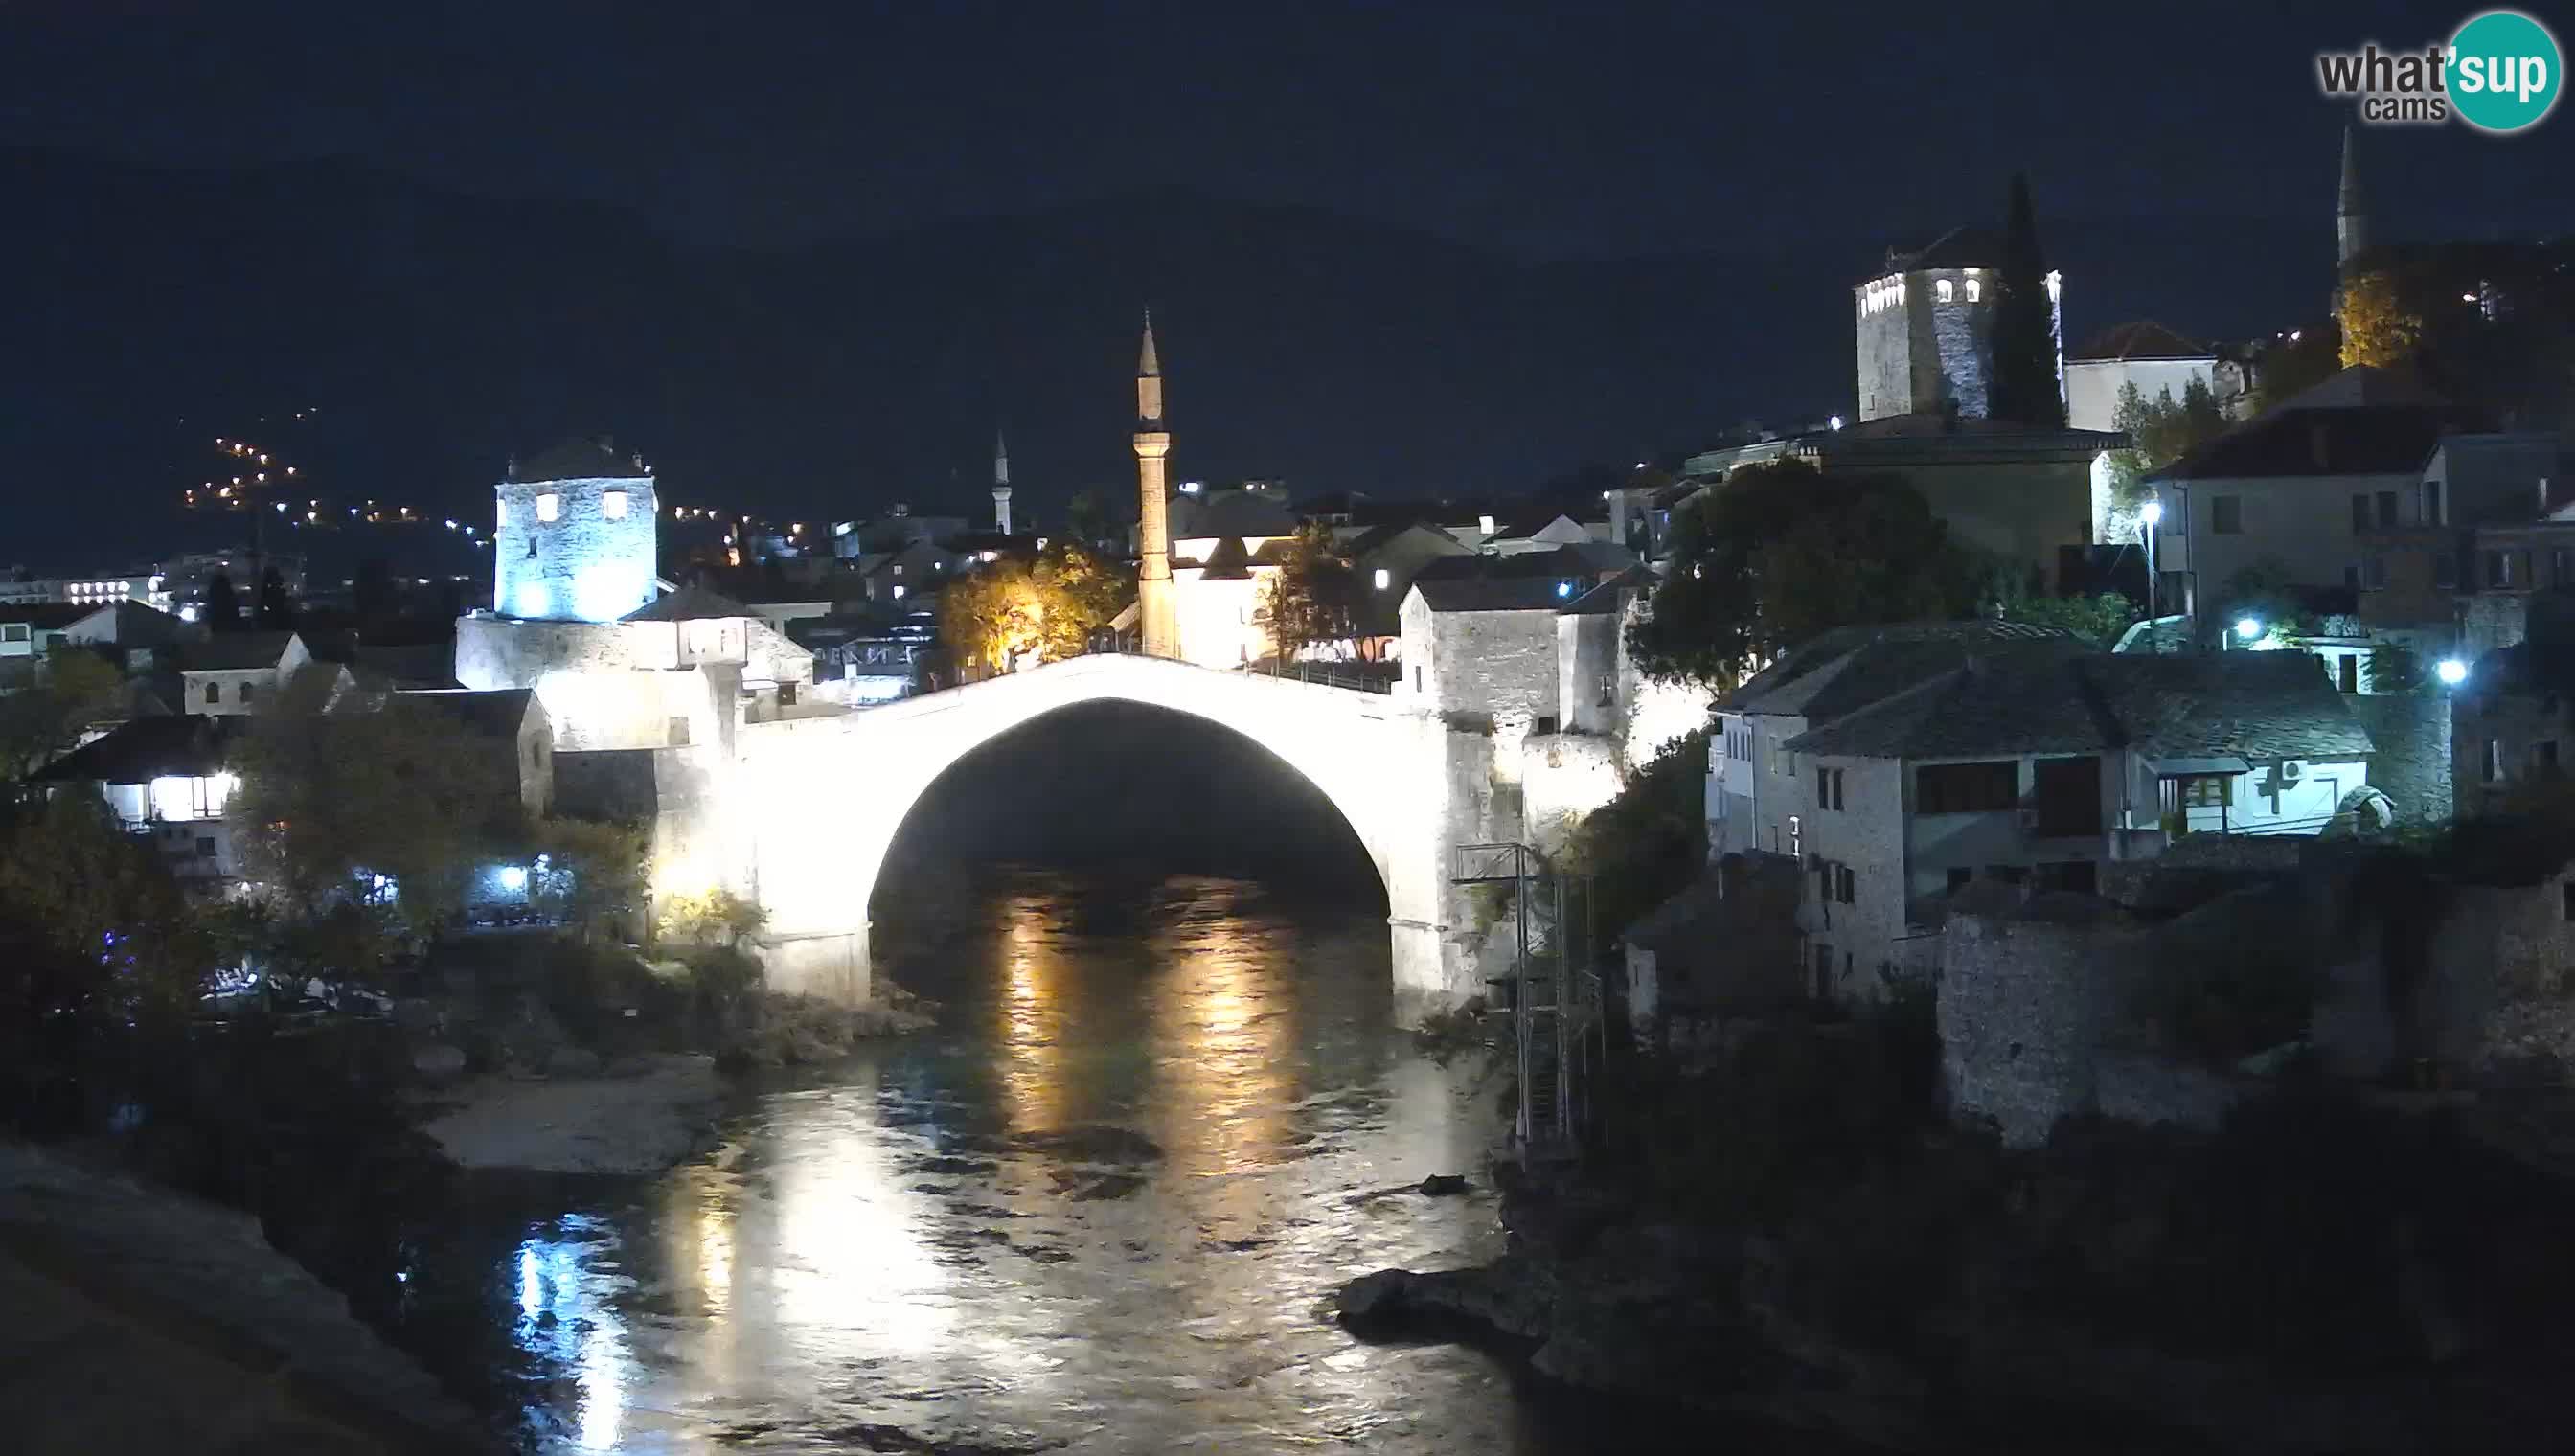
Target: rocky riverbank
[633,1116]
[2327,1277]
[143,1320]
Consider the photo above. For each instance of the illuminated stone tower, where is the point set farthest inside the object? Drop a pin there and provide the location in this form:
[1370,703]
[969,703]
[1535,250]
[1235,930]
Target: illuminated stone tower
[1000,484]
[1154,610]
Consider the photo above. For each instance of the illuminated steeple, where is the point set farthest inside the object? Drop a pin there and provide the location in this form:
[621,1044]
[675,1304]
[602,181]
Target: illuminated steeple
[1157,613]
[1000,484]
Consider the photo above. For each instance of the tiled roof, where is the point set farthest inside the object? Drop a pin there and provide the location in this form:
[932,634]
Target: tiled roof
[689,603]
[1226,561]
[187,745]
[1587,560]
[2257,705]
[235,652]
[47,615]
[1914,650]
[1230,513]
[2326,440]
[2139,339]
[1490,594]
[581,460]
[497,711]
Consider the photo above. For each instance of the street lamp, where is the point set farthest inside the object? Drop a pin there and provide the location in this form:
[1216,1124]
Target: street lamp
[2247,628]
[2152,515]
[2451,671]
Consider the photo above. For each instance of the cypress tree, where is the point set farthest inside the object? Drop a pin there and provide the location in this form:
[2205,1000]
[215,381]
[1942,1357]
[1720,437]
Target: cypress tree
[2026,389]
[223,606]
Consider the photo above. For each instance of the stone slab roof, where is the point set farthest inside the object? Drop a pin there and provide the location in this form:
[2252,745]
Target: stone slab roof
[2139,339]
[1899,654]
[2326,440]
[185,745]
[581,460]
[2253,706]
[235,652]
[689,603]
[1490,594]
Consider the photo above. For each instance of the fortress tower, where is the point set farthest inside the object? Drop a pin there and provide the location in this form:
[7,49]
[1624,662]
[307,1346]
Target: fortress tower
[576,537]
[1155,611]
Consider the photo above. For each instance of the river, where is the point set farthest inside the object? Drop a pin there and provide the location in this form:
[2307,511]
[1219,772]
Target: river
[1101,1208]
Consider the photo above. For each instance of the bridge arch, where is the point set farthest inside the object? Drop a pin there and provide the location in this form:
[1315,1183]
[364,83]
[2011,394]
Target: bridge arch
[815,804]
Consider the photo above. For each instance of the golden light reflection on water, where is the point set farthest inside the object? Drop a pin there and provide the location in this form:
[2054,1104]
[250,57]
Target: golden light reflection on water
[1224,1031]
[1033,1013]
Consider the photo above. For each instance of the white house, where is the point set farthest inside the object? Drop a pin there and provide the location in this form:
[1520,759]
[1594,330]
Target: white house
[2028,764]
[2298,488]
[2155,358]
[1484,647]
[165,779]
[233,672]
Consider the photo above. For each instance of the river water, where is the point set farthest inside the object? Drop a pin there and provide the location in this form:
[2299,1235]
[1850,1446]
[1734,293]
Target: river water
[1101,1208]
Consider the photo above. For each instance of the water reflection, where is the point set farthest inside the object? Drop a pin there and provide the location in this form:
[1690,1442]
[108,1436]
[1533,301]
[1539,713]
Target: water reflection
[1099,1210]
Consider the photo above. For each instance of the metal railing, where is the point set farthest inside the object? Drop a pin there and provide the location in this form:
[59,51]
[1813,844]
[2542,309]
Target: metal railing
[1550,991]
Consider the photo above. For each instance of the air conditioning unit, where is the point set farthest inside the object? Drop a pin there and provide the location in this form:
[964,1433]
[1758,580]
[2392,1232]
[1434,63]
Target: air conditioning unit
[2291,769]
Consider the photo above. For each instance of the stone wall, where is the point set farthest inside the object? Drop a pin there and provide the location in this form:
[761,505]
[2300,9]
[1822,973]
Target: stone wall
[2497,1003]
[2413,764]
[1564,778]
[584,563]
[2024,1004]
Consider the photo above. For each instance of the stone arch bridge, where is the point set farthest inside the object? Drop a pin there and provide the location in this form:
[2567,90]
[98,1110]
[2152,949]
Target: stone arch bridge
[808,807]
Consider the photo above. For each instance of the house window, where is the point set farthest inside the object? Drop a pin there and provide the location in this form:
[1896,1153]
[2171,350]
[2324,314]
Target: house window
[1828,788]
[2498,568]
[2360,513]
[677,732]
[13,631]
[2543,756]
[1948,788]
[2347,672]
[2386,507]
[1796,838]
[549,507]
[1382,578]
[2226,515]
[1417,680]
[2561,566]
[2445,571]
[247,690]
[786,695]
[611,505]
[2431,502]
[2207,791]
[1947,290]
[214,693]
[1608,689]
[2491,768]
[1845,884]
[205,846]
[2066,795]
[1976,289]
[2373,572]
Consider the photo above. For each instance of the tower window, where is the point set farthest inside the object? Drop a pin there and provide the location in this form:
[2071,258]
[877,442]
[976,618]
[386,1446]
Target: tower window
[611,505]
[1383,576]
[1976,289]
[549,507]
[1947,290]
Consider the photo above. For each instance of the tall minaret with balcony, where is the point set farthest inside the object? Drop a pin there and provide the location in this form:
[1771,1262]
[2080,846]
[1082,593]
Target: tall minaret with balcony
[1000,484]
[1156,615]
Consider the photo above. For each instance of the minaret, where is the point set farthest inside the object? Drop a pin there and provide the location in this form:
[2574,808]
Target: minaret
[2351,210]
[1154,610]
[1000,484]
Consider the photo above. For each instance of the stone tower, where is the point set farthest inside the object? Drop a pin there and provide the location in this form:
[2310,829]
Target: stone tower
[1000,484]
[1156,616]
[2351,211]
[577,535]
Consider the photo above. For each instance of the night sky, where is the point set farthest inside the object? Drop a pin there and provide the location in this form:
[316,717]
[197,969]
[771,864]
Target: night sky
[1556,137]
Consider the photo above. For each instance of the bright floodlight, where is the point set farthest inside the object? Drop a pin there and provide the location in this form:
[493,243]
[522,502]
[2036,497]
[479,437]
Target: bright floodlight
[2247,628]
[2153,514]
[513,877]
[2451,671]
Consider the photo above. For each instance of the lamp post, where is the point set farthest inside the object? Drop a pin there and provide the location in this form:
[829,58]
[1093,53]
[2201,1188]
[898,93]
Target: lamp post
[2152,519]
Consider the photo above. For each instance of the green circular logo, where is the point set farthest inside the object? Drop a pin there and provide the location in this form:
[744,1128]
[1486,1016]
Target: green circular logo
[2505,71]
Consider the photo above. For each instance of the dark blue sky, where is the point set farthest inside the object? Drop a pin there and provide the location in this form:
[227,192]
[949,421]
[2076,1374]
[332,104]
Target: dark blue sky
[1576,129]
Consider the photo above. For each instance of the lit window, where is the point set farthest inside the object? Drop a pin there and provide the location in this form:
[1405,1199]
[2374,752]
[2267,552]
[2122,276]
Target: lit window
[1946,290]
[549,506]
[1382,578]
[611,505]
[1976,289]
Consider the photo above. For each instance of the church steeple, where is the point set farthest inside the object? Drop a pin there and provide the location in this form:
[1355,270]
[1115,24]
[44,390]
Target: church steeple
[1000,484]
[1156,612]
[2351,209]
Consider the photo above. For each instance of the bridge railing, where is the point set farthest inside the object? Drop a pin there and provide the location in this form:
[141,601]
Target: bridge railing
[1356,677]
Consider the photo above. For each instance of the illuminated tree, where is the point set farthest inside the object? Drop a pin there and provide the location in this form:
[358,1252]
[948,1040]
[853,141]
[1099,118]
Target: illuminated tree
[2160,431]
[1314,601]
[331,800]
[1010,611]
[2377,328]
[93,928]
[1079,592]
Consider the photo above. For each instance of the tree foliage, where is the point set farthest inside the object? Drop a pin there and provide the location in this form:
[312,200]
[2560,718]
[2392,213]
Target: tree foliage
[1314,601]
[72,688]
[275,611]
[2160,431]
[91,921]
[589,868]
[2377,325]
[2026,389]
[223,604]
[2292,366]
[2100,618]
[1008,612]
[1780,553]
[716,917]
[1649,841]
[332,798]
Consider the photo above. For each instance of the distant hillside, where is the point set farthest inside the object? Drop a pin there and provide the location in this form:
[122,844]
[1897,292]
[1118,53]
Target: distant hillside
[438,333]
